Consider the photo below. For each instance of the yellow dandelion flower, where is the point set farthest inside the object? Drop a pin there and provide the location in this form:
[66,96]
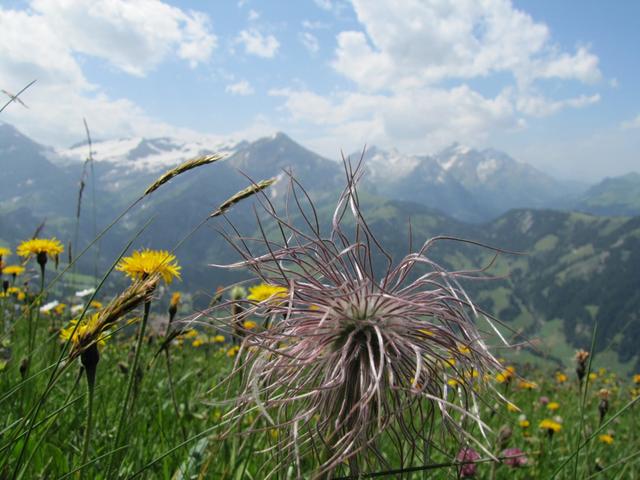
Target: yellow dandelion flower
[197,342]
[464,349]
[264,291]
[553,406]
[40,247]
[561,377]
[636,378]
[60,308]
[218,339]
[191,333]
[19,293]
[606,438]
[143,263]
[550,425]
[233,351]
[175,299]
[593,376]
[506,375]
[524,423]
[95,304]
[452,382]
[249,324]
[527,385]
[4,252]
[13,270]
[450,362]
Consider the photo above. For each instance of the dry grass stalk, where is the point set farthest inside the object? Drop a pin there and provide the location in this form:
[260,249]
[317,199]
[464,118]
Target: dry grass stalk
[241,195]
[183,167]
[138,292]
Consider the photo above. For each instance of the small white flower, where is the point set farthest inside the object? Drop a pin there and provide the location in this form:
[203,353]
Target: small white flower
[85,292]
[47,307]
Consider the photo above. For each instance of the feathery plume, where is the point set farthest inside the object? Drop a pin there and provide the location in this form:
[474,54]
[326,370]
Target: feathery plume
[359,349]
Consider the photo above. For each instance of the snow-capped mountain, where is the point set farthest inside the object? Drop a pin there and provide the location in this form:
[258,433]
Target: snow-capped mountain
[151,155]
[467,183]
[464,182]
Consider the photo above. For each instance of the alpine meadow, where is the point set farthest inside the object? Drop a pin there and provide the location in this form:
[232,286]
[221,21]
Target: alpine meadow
[187,292]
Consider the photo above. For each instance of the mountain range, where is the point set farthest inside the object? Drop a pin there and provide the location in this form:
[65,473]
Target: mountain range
[580,244]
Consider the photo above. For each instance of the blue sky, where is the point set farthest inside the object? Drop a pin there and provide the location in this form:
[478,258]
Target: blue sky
[551,83]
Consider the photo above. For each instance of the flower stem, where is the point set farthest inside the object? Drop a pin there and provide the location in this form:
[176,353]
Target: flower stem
[89,425]
[125,410]
[173,393]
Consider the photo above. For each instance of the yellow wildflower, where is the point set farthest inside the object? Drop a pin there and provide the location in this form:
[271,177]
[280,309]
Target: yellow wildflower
[40,246]
[264,291]
[452,382]
[233,351]
[4,252]
[143,263]
[95,304]
[464,349]
[524,423]
[553,406]
[13,270]
[218,339]
[561,377]
[60,308]
[175,299]
[191,333]
[197,342]
[506,375]
[527,385]
[606,438]
[249,324]
[636,378]
[550,425]
[593,376]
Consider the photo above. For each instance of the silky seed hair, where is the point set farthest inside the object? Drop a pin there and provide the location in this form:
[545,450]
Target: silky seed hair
[363,355]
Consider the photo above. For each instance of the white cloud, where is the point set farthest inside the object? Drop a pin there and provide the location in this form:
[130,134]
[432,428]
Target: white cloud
[253,15]
[309,41]
[314,25]
[255,43]
[539,106]
[412,66]
[240,88]
[423,42]
[133,36]
[43,42]
[420,120]
[631,124]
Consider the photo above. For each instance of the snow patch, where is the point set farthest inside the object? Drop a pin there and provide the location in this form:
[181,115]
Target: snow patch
[486,168]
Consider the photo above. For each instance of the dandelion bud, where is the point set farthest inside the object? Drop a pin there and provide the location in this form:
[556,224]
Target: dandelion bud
[90,358]
[603,406]
[581,364]
[41,258]
[173,306]
[24,367]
